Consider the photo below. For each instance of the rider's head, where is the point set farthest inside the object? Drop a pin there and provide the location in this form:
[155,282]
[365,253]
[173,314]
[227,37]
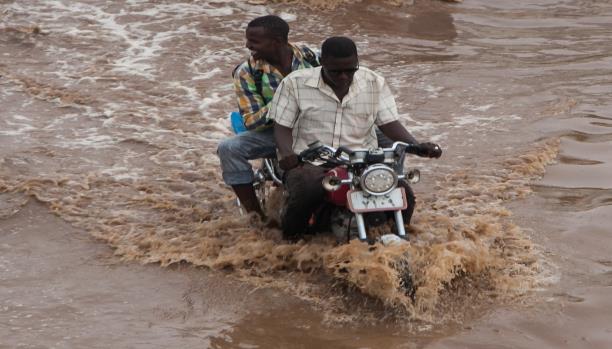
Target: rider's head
[339,61]
[265,36]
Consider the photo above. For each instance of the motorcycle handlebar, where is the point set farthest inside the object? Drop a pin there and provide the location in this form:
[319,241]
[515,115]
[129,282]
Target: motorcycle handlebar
[342,149]
[317,148]
[409,148]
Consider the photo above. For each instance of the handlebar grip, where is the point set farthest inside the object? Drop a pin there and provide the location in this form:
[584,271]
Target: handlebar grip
[342,149]
[412,149]
[312,148]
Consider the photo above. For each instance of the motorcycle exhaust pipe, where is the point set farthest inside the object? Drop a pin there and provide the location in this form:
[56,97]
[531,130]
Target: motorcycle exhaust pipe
[414,176]
[331,183]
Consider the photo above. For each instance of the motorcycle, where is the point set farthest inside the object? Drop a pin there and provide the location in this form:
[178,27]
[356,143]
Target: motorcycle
[363,188]
[362,185]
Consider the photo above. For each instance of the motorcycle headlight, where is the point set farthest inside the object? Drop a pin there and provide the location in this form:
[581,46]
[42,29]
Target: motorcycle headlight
[378,180]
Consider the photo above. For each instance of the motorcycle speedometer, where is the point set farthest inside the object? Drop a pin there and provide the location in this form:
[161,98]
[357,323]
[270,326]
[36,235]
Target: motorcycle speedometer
[378,179]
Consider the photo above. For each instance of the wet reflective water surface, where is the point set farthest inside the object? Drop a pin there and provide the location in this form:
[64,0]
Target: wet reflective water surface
[116,229]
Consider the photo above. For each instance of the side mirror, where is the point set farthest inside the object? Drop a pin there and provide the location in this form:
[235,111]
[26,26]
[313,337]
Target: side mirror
[331,183]
[414,176]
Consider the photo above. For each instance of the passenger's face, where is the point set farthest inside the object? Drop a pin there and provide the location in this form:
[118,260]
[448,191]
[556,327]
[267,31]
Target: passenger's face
[261,44]
[339,72]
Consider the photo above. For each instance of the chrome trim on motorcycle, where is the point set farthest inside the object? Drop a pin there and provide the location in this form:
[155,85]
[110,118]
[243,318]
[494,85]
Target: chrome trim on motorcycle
[413,176]
[361,228]
[399,223]
[270,168]
[331,183]
[378,170]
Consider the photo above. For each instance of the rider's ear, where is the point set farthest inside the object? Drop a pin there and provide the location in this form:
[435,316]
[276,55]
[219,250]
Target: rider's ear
[278,40]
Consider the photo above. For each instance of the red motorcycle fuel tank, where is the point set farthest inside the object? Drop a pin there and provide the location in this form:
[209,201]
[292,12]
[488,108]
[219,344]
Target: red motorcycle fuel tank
[338,197]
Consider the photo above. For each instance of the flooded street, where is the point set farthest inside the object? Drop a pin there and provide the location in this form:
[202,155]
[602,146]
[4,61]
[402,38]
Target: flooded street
[116,229]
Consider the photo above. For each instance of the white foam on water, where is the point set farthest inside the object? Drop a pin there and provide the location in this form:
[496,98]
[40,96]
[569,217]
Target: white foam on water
[550,274]
[9,89]
[465,120]
[60,121]
[92,140]
[210,58]
[121,173]
[289,17]
[406,117]
[481,108]
[214,99]
[437,138]
[209,74]
[17,132]
[219,12]
[425,126]
[433,91]
[143,45]
[17,128]
[20,117]
[470,120]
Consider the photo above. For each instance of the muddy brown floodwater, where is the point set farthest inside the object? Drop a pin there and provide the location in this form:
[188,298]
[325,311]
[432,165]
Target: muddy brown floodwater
[116,229]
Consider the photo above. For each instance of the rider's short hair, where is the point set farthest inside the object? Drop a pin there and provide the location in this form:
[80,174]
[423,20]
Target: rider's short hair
[338,47]
[273,25]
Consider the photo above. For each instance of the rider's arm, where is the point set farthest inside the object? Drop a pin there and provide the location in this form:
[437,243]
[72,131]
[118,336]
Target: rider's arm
[284,143]
[387,116]
[284,110]
[387,121]
[284,140]
[397,132]
[251,103]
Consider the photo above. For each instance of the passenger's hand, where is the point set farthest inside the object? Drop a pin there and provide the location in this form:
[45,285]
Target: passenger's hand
[289,162]
[430,150]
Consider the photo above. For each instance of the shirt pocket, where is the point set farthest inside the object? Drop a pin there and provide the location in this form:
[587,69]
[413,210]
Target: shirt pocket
[314,110]
[360,114]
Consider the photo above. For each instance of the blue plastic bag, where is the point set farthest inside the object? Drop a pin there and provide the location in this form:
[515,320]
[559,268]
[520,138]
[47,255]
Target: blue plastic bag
[237,124]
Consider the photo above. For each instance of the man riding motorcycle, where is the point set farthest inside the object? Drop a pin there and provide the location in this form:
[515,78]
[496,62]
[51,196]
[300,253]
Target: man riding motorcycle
[338,104]
[255,81]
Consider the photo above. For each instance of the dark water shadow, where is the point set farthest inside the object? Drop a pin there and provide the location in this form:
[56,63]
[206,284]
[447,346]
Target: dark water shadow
[422,20]
[408,33]
[299,327]
[589,137]
[570,160]
[574,199]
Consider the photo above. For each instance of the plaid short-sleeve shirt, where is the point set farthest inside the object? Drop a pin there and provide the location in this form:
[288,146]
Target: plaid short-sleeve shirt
[306,104]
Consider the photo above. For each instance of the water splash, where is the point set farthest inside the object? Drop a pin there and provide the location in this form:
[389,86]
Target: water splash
[460,234]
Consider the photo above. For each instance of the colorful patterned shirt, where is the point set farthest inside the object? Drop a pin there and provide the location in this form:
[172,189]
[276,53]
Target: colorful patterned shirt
[256,81]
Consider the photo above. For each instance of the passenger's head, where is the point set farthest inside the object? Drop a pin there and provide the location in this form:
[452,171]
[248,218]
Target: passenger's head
[265,36]
[339,61]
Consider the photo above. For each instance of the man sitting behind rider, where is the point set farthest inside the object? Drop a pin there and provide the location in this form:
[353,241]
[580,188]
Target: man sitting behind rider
[255,81]
[338,104]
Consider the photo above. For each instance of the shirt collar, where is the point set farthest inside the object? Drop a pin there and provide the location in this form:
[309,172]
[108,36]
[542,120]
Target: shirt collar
[316,81]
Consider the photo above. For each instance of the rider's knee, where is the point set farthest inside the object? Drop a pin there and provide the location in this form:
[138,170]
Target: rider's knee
[227,147]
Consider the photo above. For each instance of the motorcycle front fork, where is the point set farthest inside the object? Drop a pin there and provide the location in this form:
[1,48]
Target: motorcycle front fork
[399,223]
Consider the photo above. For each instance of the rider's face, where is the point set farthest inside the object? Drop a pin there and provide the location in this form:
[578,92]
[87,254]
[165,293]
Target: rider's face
[339,72]
[262,45]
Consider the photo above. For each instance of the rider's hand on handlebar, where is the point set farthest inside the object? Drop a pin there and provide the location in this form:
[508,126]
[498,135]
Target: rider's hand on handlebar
[289,162]
[430,150]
